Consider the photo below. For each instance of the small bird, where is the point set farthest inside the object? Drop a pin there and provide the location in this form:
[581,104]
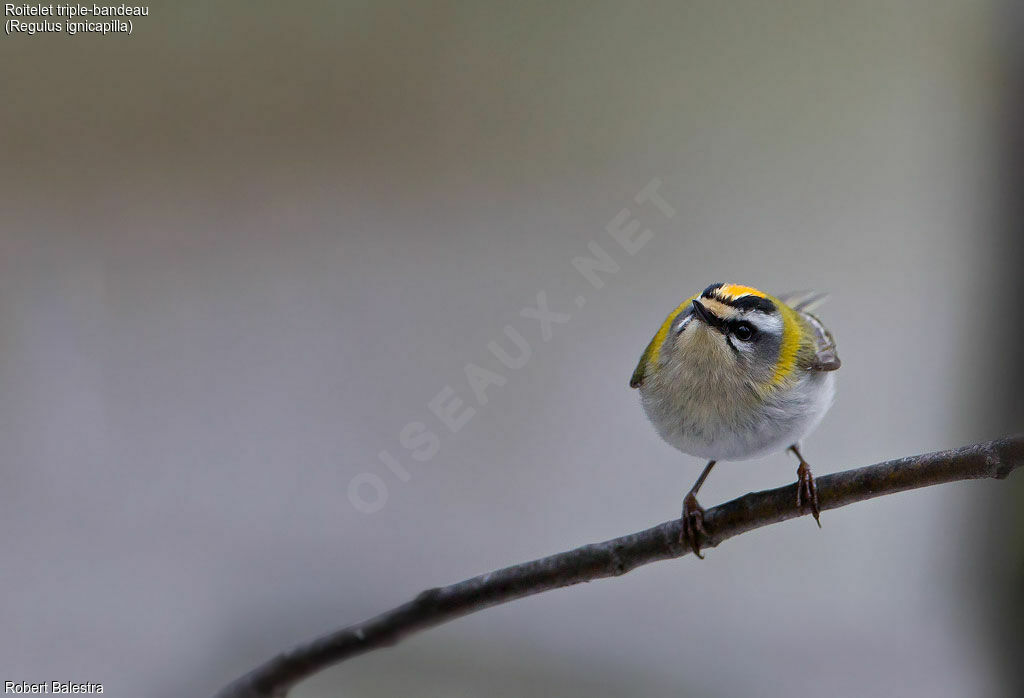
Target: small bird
[734,373]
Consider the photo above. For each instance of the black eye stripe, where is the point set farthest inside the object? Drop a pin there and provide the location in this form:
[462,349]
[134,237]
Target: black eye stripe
[743,330]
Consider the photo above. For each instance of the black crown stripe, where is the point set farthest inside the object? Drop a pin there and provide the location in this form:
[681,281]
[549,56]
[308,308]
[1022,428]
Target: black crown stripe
[710,290]
[750,303]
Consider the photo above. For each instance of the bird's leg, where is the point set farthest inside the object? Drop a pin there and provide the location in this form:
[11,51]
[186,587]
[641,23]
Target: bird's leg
[806,490]
[693,515]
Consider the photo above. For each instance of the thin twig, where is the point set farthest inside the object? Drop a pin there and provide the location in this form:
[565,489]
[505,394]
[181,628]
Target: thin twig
[995,459]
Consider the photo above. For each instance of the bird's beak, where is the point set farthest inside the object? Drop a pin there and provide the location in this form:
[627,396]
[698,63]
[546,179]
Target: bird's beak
[705,315]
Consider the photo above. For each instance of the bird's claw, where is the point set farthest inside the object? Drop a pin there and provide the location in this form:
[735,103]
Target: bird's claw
[807,492]
[693,524]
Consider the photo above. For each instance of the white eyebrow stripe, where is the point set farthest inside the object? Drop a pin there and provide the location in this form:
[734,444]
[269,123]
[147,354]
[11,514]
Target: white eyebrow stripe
[771,324]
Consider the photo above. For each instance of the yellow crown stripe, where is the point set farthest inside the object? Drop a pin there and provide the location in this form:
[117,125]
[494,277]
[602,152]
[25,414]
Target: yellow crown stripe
[734,291]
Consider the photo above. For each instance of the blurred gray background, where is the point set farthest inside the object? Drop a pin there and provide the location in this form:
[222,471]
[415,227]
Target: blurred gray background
[244,247]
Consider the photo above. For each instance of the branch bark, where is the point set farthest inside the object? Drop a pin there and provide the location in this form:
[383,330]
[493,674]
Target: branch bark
[994,459]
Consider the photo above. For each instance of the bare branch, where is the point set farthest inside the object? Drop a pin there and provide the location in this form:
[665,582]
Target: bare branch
[995,459]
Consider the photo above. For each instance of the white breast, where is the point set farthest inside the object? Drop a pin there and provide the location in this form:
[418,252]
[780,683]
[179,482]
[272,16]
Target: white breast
[716,418]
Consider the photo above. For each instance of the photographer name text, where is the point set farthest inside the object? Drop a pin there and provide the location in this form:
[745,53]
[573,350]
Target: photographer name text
[51,687]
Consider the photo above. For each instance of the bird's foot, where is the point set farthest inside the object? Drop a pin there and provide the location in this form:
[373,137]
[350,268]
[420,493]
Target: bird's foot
[693,524]
[807,491]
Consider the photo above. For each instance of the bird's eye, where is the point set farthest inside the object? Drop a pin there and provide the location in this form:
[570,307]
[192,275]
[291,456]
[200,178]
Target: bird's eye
[744,331]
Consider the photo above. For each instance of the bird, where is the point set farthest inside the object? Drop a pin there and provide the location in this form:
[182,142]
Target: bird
[734,373]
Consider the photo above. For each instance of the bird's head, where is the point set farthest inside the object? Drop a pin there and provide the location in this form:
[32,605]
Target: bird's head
[728,329]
